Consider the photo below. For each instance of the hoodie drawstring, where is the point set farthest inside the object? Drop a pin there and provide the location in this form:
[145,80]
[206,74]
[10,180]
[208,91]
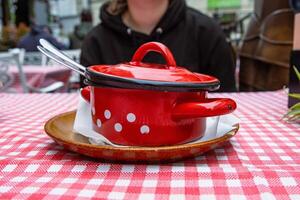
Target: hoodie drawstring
[133,36]
[156,37]
[158,31]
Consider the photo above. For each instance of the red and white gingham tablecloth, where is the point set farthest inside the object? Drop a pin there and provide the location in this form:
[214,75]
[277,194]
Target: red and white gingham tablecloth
[261,162]
[39,76]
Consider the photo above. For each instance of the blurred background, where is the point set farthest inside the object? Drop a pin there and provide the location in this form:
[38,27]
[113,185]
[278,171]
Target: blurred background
[260,33]
[63,16]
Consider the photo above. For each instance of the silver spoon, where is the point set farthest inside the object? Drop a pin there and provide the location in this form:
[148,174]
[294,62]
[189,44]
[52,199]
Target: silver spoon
[60,60]
[52,52]
[47,45]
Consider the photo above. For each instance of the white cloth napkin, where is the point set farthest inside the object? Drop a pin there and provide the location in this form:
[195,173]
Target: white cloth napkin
[216,126]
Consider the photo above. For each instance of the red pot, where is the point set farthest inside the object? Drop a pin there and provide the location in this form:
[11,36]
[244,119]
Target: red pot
[146,104]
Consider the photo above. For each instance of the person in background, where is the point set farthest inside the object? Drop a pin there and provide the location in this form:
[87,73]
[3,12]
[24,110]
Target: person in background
[196,41]
[30,41]
[81,30]
[8,40]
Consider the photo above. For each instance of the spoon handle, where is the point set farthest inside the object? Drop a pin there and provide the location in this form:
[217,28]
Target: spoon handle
[59,60]
[48,46]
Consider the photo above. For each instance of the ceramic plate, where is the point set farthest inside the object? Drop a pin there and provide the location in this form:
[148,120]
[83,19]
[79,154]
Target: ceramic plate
[60,129]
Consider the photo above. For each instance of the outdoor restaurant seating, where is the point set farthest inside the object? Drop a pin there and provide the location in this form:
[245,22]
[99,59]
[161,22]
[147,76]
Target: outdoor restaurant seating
[15,59]
[18,66]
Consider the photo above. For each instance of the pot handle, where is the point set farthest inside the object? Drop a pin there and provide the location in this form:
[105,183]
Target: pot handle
[86,93]
[208,108]
[157,47]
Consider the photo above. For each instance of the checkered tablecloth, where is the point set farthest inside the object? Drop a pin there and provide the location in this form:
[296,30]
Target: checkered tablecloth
[261,162]
[39,76]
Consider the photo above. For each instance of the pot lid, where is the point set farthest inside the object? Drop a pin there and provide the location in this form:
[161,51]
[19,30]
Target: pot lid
[137,74]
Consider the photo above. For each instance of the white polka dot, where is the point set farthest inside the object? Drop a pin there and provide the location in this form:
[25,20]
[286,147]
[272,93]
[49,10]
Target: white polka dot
[93,110]
[107,114]
[99,123]
[118,127]
[131,117]
[145,129]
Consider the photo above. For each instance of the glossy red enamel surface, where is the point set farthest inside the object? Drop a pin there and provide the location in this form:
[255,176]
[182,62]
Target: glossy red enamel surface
[154,72]
[207,108]
[169,72]
[141,117]
[152,118]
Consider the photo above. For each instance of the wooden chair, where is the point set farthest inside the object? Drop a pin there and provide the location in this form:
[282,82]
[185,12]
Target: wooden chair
[265,50]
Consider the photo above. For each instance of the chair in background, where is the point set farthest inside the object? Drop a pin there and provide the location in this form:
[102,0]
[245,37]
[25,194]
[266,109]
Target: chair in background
[74,54]
[6,79]
[33,58]
[74,81]
[15,56]
[40,60]
[265,50]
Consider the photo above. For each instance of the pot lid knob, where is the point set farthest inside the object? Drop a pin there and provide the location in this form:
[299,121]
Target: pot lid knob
[156,47]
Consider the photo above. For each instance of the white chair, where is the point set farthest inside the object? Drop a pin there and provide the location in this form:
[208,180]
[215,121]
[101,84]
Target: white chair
[74,81]
[6,79]
[14,56]
[32,58]
[39,59]
[73,53]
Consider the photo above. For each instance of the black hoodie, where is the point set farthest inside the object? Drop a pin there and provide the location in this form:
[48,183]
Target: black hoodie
[195,40]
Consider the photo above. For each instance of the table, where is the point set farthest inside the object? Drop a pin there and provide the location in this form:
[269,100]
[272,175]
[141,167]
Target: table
[261,162]
[40,76]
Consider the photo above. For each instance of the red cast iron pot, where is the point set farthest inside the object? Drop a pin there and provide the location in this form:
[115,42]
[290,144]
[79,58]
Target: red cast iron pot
[146,104]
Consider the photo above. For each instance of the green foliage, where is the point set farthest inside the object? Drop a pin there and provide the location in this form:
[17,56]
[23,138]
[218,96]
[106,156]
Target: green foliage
[294,95]
[297,72]
[293,114]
